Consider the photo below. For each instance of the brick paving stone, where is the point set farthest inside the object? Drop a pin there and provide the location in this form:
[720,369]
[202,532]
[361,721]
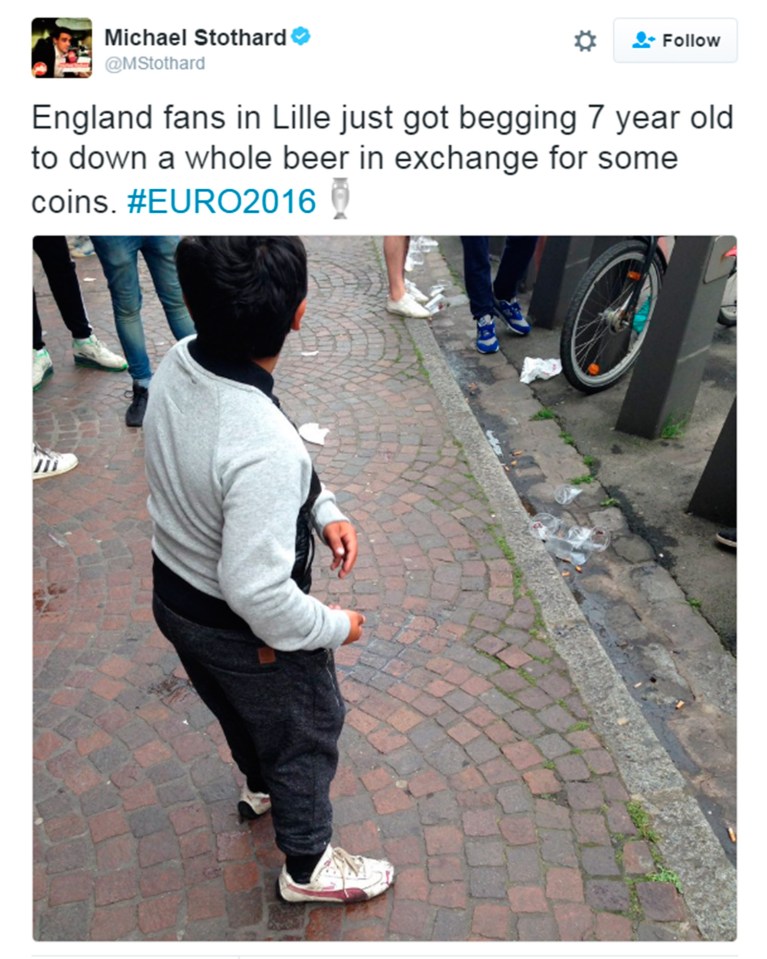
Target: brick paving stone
[619,821]
[518,830]
[156,915]
[490,921]
[575,921]
[70,887]
[527,899]
[591,827]
[584,796]
[522,755]
[552,745]
[115,887]
[536,929]
[660,901]
[637,858]
[607,894]
[572,768]
[515,798]
[557,847]
[480,822]
[160,879]
[600,861]
[564,884]
[459,758]
[391,800]
[118,922]
[542,782]
[611,928]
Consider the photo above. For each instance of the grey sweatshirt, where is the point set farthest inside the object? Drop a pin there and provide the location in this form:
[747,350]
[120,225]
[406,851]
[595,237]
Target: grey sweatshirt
[227,475]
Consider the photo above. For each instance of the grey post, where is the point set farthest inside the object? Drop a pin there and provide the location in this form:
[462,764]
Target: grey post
[669,369]
[715,496]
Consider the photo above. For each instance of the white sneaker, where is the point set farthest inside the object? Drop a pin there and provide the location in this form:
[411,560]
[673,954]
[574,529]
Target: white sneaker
[339,877]
[407,306]
[42,367]
[252,804]
[92,352]
[47,463]
[417,295]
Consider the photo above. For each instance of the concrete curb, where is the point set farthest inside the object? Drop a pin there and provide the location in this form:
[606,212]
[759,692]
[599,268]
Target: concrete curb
[687,843]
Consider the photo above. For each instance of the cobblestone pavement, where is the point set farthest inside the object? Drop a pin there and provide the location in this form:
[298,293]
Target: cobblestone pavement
[469,756]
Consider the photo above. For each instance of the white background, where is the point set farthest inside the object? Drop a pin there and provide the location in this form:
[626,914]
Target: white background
[407,55]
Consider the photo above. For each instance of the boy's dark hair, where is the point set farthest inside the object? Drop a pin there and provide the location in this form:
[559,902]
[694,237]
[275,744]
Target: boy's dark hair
[242,291]
[56,32]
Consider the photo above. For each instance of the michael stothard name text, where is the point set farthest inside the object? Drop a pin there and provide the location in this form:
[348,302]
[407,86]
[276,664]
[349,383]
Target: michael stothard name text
[201,37]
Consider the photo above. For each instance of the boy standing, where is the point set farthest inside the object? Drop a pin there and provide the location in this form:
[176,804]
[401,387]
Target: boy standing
[234,500]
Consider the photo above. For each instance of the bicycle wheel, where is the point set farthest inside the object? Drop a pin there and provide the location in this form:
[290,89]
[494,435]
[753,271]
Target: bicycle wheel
[601,335]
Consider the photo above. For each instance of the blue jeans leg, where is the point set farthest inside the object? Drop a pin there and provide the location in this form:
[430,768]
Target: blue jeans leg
[119,260]
[160,255]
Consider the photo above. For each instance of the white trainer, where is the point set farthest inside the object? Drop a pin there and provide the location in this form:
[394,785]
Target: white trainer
[46,463]
[42,367]
[407,306]
[339,877]
[92,352]
[252,804]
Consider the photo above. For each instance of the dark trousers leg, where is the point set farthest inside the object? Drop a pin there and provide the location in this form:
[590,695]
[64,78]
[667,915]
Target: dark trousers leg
[62,279]
[37,328]
[517,253]
[477,275]
[281,714]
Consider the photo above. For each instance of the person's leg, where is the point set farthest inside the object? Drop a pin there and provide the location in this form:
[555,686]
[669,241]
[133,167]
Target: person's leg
[395,253]
[401,301]
[160,255]
[478,275]
[38,343]
[517,253]
[479,288]
[62,279]
[88,350]
[186,638]
[42,365]
[281,714]
[118,258]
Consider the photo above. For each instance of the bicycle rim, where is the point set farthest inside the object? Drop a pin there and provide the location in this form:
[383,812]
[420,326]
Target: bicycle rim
[601,336]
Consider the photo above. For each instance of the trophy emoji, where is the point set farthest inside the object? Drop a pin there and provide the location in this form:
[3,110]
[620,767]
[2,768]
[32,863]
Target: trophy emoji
[340,195]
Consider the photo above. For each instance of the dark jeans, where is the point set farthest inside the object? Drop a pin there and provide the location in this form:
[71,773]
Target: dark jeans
[62,279]
[281,713]
[480,288]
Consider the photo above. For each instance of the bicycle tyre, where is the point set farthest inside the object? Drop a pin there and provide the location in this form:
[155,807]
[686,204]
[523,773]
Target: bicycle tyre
[599,342]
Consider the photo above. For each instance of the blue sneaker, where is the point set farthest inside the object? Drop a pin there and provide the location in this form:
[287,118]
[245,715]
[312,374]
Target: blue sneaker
[487,341]
[512,315]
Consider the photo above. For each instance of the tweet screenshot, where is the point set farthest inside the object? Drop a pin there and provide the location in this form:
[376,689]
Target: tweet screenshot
[382,535]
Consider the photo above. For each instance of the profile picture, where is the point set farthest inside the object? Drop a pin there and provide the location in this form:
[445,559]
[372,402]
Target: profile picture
[61,47]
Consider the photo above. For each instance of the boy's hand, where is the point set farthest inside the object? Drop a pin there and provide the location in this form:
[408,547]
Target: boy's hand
[341,537]
[355,631]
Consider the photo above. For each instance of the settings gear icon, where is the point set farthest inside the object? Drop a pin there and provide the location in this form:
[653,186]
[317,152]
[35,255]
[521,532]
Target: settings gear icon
[585,41]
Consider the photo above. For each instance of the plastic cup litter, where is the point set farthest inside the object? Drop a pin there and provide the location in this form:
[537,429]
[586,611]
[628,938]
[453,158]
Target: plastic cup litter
[566,494]
[544,525]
